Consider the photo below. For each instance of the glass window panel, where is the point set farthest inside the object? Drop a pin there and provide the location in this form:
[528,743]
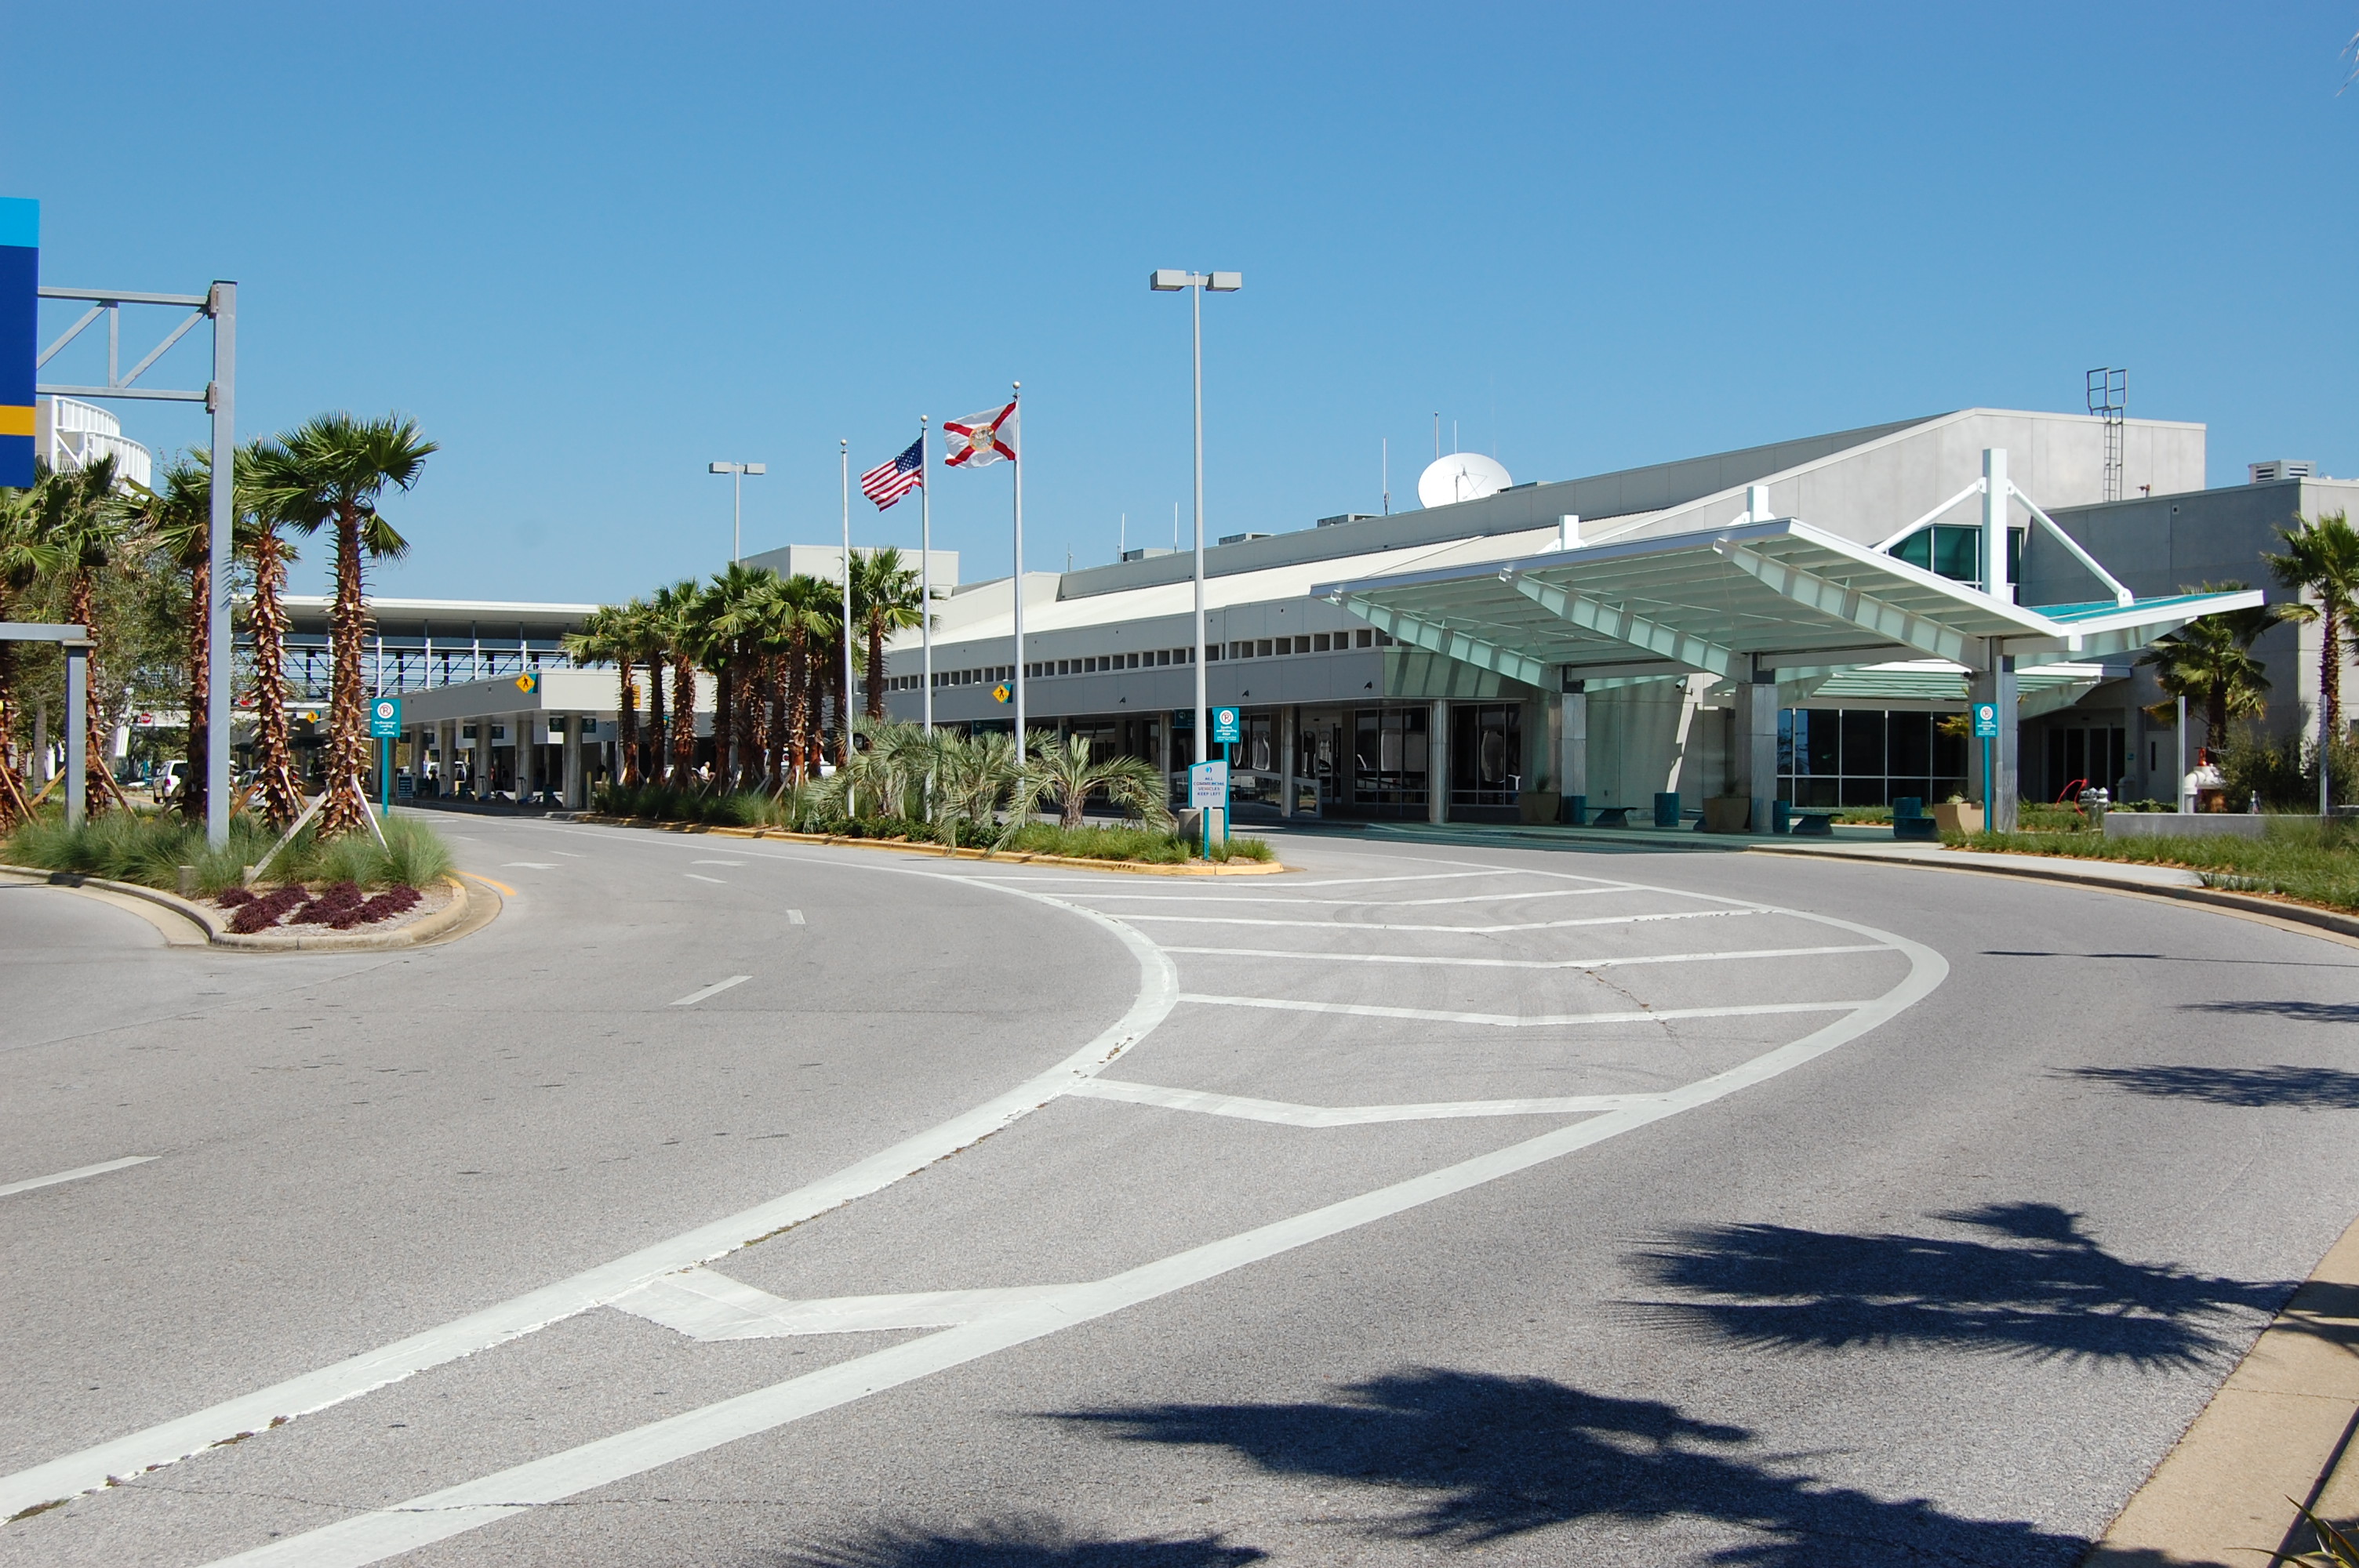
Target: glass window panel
[1909,738]
[1916,549]
[1863,745]
[1823,737]
[1955,553]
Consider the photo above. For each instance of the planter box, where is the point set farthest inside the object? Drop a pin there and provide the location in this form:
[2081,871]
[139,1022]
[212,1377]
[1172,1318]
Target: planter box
[1539,805]
[2184,824]
[1961,817]
[1726,812]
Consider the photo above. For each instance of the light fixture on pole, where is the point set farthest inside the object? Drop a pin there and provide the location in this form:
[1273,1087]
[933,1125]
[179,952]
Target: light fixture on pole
[737,514]
[1165,280]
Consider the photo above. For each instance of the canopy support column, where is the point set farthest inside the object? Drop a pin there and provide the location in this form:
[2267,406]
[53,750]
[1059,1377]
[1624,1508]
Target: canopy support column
[576,796]
[1757,745]
[1994,684]
[1572,739]
[1437,764]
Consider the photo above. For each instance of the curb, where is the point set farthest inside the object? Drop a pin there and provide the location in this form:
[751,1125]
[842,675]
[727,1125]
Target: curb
[943,851]
[2040,867]
[2276,1431]
[218,934]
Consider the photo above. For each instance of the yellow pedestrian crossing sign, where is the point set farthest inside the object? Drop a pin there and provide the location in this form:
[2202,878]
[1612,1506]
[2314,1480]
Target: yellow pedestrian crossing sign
[528,682]
[1002,692]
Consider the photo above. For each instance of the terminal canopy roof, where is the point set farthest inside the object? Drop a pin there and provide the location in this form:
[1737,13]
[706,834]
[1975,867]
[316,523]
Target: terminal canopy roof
[1736,602]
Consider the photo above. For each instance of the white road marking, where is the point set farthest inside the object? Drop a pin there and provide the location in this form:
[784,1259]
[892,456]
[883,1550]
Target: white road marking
[1466,930]
[716,881]
[529,865]
[568,854]
[359,1540]
[1286,1114]
[77,1174]
[1516,1021]
[716,862]
[707,1305]
[1371,903]
[1532,963]
[795,917]
[716,988]
[89,1468]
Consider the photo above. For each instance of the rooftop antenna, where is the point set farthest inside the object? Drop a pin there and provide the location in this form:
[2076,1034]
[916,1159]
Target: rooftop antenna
[1175,526]
[2109,395]
[1386,459]
[1437,435]
[1122,547]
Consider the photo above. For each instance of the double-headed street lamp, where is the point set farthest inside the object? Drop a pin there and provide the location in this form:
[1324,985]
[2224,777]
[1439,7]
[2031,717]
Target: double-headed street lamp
[1165,280]
[737,514]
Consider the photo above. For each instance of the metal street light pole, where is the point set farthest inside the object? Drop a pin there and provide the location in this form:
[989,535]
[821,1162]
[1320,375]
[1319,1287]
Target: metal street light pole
[1164,280]
[737,512]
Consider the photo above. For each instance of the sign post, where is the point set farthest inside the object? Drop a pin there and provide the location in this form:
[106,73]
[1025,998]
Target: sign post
[385,728]
[1227,731]
[1987,732]
[1208,786]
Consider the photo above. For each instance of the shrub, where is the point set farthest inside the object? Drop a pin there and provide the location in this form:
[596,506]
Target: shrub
[150,848]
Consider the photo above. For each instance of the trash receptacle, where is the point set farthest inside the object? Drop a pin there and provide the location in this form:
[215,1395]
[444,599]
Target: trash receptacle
[1667,808]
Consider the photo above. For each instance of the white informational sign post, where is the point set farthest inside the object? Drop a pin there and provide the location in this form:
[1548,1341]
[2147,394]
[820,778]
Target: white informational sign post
[1208,790]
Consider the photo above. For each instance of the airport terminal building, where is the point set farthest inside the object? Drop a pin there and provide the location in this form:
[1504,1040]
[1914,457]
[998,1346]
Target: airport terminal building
[1803,622]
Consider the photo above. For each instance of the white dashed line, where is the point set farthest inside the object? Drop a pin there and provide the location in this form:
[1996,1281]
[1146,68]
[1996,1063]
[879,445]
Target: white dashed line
[1286,1114]
[77,1174]
[716,988]
[794,917]
[1514,1020]
[1532,963]
[716,881]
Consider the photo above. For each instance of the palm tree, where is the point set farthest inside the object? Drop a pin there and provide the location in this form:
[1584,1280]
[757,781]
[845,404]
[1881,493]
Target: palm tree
[2322,558]
[80,519]
[1061,770]
[265,618]
[974,776]
[668,612]
[604,637]
[178,520]
[24,559]
[2210,662]
[885,599]
[809,619]
[332,470]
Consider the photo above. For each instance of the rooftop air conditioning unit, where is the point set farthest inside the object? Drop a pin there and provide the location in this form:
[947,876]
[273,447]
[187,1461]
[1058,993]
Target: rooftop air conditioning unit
[2280,468]
[1241,538]
[1346,517]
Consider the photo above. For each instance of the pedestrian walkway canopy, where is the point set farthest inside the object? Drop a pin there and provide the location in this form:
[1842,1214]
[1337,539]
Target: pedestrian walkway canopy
[1737,602]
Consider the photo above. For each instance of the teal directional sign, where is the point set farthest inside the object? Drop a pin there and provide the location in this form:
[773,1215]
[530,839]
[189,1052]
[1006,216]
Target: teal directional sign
[1985,720]
[20,269]
[385,718]
[1224,726]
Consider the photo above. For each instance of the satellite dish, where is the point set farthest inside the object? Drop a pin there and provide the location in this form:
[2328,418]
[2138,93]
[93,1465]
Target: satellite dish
[1461,476]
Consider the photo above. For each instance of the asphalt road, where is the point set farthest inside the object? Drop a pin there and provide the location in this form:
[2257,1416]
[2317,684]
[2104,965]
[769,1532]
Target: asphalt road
[745,1204]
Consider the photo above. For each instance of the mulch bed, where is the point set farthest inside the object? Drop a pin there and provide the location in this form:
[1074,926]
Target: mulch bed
[342,906]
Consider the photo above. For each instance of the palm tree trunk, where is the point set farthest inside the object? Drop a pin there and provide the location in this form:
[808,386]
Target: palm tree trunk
[2216,718]
[347,726]
[282,797]
[683,720]
[200,686]
[626,724]
[876,667]
[658,745]
[774,757]
[2329,668]
[799,708]
[724,736]
[837,677]
[749,697]
[98,783]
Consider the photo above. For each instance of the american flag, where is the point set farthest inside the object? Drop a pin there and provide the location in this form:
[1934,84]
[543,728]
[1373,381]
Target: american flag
[888,483]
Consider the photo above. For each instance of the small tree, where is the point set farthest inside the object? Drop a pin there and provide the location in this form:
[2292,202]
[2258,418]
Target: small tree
[2210,662]
[1061,770]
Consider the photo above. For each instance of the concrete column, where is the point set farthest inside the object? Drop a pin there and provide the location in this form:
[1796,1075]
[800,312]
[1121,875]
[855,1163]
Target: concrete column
[1572,743]
[1285,720]
[1995,512]
[1754,750]
[1437,764]
[577,790]
[482,770]
[521,728]
[1996,684]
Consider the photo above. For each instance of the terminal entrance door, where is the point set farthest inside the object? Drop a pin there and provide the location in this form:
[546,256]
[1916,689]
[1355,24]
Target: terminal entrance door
[1321,757]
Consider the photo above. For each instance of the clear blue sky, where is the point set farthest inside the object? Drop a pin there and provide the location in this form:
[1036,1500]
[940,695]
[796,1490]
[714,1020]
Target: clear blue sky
[591,248]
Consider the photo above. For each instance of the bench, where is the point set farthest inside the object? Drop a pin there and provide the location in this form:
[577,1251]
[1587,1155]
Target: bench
[1612,816]
[1814,824]
[1915,828]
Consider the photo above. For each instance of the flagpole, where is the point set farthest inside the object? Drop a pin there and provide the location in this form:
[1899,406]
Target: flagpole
[843,755]
[1019,464]
[925,578]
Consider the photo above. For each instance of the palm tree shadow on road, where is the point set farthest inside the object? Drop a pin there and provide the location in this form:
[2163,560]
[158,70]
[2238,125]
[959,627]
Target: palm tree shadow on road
[1480,1459]
[2032,1284]
[1018,1542]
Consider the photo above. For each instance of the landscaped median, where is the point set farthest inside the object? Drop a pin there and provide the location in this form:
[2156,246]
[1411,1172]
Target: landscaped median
[350,893]
[2300,859]
[1100,849]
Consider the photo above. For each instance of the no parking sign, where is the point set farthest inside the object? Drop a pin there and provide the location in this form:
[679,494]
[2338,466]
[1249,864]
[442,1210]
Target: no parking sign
[385,718]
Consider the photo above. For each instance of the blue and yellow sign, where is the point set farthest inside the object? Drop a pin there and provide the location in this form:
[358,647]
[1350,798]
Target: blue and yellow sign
[528,682]
[1002,692]
[20,275]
